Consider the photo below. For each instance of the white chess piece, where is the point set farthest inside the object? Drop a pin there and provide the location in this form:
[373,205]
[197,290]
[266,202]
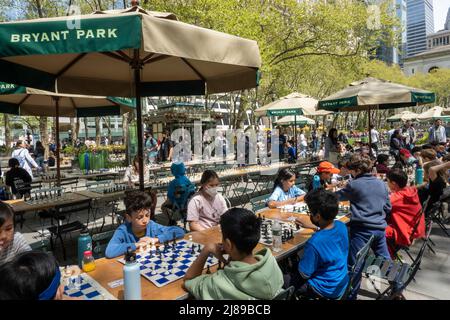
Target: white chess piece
[153,247]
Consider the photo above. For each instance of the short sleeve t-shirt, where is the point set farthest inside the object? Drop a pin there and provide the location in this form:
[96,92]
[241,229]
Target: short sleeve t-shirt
[324,261]
[18,245]
[18,178]
[280,195]
[206,213]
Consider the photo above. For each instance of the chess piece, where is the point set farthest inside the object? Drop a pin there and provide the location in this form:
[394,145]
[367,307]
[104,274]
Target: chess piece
[193,249]
[208,271]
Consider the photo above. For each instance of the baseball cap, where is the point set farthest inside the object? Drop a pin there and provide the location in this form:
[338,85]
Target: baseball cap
[326,166]
[405,153]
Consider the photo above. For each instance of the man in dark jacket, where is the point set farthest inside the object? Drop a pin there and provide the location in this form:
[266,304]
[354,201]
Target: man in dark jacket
[18,179]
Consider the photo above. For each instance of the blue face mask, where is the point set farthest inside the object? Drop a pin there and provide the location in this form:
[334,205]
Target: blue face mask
[50,292]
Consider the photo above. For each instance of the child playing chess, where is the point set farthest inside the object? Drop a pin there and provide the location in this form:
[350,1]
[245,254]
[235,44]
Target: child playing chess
[285,191]
[322,271]
[11,243]
[138,232]
[31,275]
[325,172]
[246,276]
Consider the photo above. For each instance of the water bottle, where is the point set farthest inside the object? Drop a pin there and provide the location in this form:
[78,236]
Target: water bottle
[86,162]
[131,277]
[276,236]
[419,175]
[316,182]
[84,244]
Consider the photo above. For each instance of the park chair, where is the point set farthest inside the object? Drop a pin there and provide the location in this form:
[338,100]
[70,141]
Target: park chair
[356,269]
[435,214]
[285,294]
[67,183]
[41,245]
[104,208]
[398,274]
[100,242]
[259,203]
[64,212]
[399,248]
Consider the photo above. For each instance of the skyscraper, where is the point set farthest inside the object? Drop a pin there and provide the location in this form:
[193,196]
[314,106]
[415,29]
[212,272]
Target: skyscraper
[420,23]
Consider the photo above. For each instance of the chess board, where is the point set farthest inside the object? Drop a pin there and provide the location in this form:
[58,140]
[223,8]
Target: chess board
[113,189]
[162,269]
[303,209]
[286,228]
[86,288]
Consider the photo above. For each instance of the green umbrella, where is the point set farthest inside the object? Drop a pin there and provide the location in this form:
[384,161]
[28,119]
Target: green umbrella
[372,93]
[23,101]
[127,53]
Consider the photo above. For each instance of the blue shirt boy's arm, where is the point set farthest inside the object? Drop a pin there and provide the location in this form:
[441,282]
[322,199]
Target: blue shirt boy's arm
[164,233]
[118,244]
[309,262]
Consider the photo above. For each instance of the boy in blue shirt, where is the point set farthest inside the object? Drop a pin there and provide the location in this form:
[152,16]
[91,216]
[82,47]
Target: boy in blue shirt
[369,207]
[139,230]
[322,271]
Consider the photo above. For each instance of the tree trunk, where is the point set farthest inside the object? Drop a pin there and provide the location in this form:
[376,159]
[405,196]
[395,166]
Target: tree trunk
[7,131]
[43,130]
[97,131]
[86,133]
[125,122]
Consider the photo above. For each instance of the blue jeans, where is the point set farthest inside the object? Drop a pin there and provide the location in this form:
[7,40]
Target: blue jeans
[358,238]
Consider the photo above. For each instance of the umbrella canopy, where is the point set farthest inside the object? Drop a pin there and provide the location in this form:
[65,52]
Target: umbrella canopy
[290,120]
[127,53]
[432,114]
[25,101]
[403,116]
[372,93]
[292,104]
[174,58]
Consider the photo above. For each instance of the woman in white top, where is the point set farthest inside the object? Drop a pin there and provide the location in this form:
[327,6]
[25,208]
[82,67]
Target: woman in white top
[24,157]
[207,206]
[331,150]
[132,173]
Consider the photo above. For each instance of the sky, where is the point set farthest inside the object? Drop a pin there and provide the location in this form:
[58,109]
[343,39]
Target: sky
[440,8]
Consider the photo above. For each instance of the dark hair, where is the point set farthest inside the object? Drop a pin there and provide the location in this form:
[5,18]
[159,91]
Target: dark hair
[6,213]
[398,176]
[136,200]
[207,176]
[429,154]
[13,162]
[427,146]
[39,147]
[242,228]
[359,162]
[382,158]
[416,149]
[324,202]
[283,175]
[27,275]
[331,136]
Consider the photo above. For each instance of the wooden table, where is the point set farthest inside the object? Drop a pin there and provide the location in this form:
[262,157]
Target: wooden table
[20,206]
[109,270]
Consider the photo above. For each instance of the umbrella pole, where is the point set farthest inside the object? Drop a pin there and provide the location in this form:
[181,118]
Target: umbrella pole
[137,82]
[370,135]
[58,145]
[295,136]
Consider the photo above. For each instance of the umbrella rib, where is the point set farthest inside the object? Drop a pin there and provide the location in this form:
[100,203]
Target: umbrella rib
[115,56]
[70,64]
[24,99]
[147,58]
[123,55]
[193,69]
[162,57]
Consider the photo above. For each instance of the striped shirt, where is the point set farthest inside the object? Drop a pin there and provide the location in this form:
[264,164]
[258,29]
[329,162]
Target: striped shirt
[18,245]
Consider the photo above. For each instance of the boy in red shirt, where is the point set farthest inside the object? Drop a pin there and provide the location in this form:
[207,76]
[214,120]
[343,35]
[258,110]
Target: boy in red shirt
[406,212]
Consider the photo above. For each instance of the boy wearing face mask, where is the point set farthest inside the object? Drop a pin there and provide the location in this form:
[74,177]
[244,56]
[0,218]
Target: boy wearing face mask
[206,207]
[322,270]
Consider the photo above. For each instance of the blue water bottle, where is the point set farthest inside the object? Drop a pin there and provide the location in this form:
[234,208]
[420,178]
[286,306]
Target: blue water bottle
[86,162]
[131,277]
[84,244]
[419,175]
[316,182]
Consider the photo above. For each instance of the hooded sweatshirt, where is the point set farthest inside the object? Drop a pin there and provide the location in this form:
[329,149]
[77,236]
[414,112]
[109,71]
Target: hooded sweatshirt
[369,202]
[240,280]
[178,171]
[405,212]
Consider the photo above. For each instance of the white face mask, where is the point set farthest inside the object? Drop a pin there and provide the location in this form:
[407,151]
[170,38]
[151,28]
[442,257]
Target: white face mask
[211,191]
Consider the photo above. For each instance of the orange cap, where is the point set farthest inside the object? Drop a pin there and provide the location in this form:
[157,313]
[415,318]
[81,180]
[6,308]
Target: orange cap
[326,166]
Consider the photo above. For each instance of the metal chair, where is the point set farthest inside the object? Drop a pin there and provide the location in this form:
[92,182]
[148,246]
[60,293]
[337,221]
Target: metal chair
[100,242]
[259,203]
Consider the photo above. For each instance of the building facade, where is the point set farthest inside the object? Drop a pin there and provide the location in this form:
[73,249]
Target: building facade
[420,24]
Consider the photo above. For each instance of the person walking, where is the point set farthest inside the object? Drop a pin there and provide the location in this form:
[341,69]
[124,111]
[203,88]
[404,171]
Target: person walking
[23,155]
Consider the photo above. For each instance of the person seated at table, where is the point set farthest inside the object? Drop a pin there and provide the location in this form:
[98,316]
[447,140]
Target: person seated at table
[406,212]
[207,205]
[344,175]
[132,173]
[285,191]
[322,270]
[382,163]
[18,179]
[178,192]
[325,172]
[32,275]
[291,151]
[245,275]
[434,184]
[11,242]
[369,206]
[405,160]
[138,230]
[428,155]
[416,152]
[51,161]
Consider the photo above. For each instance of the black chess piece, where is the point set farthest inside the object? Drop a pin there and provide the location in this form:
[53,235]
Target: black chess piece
[193,249]
[199,249]
[208,271]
